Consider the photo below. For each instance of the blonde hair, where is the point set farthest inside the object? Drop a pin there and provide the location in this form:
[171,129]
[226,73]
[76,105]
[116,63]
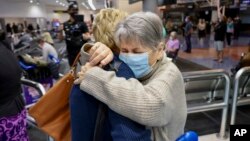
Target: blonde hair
[104,26]
[173,34]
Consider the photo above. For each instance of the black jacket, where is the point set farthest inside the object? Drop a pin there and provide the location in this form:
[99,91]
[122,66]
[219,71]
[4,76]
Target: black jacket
[11,101]
[220,31]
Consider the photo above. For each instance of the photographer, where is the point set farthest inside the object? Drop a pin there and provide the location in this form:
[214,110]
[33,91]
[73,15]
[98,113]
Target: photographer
[76,32]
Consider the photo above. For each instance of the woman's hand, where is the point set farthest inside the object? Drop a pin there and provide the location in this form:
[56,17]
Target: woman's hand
[82,73]
[100,55]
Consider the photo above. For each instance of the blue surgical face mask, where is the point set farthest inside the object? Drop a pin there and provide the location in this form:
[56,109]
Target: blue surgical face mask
[138,63]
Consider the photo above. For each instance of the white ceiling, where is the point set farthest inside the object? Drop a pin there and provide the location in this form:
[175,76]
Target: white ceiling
[97,3]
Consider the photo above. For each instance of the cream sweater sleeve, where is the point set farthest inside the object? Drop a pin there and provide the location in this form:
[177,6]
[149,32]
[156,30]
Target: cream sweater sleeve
[151,104]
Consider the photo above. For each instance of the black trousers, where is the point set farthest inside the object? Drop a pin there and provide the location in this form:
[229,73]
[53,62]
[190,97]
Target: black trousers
[188,43]
[72,53]
[229,38]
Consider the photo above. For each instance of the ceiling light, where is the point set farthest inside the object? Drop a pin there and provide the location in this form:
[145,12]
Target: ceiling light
[90,2]
[85,5]
[31,1]
[57,1]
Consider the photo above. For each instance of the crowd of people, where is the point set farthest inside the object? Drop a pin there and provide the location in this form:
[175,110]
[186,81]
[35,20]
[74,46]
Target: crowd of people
[20,27]
[224,29]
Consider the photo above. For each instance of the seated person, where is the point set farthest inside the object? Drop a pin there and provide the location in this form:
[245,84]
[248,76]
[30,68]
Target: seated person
[25,38]
[244,62]
[47,38]
[172,45]
[48,53]
[47,50]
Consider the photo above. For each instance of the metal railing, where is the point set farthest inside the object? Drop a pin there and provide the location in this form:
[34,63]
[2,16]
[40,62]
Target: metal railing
[21,49]
[39,87]
[235,102]
[205,75]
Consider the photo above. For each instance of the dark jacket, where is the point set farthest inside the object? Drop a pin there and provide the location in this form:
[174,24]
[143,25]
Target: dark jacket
[11,101]
[220,31]
[116,127]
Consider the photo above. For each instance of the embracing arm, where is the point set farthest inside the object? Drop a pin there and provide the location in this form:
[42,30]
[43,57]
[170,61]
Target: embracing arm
[96,54]
[150,104]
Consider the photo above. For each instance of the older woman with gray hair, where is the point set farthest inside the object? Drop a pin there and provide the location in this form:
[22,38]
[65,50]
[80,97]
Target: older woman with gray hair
[156,98]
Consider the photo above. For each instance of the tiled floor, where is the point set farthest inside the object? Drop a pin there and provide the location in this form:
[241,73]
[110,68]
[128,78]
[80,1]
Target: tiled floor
[208,123]
[204,56]
[211,137]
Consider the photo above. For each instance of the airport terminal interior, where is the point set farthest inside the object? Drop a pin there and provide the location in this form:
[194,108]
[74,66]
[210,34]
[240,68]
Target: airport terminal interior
[207,40]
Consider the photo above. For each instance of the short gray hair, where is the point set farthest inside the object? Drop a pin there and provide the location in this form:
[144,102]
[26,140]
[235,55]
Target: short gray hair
[144,28]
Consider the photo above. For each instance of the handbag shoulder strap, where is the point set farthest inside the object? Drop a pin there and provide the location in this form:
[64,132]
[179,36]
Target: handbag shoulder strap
[74,65]
[76,60]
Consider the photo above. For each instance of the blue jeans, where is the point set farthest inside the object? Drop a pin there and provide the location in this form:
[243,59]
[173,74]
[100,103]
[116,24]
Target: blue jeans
[188,43]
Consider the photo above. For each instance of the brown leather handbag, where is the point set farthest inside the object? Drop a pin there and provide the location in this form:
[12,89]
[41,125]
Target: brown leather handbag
[51,112]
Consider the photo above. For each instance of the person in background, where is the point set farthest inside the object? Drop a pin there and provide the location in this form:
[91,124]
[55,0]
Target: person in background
[15,28]
[47,38]
[12,106]
[47,50]
[92,18]
[208,27]
[26,37]
[30,28]
[244,61]
[38,31]
[164,32]
[9,29]
[169,26]
[172,45]
[38,27]
[237,24]
[20,28]
[188,32]
[49,56]
[219,37]
[157,99]
[201,31]
[76,33]
[230,30]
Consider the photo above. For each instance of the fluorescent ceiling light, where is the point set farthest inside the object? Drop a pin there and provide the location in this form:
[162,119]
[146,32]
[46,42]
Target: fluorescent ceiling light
[31,1]
[90,2]
[85,5]
[57,1]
